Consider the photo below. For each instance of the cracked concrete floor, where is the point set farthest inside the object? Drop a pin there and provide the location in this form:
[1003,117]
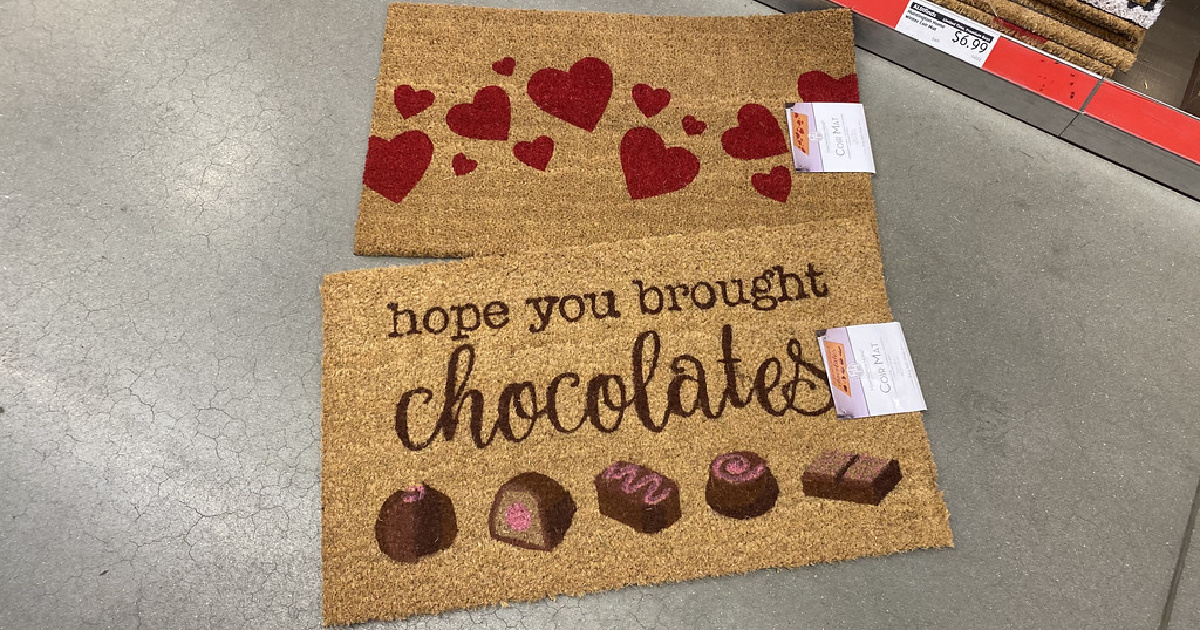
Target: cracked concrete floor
[175,179]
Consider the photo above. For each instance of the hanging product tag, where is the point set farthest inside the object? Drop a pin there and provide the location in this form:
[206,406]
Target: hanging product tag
[870,370]
[829,138]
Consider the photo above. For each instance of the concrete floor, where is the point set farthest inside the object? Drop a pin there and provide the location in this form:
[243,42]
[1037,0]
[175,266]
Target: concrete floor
[176,178]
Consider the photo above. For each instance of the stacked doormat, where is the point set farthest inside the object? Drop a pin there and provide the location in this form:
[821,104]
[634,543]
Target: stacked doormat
[559,420]
[1099,35]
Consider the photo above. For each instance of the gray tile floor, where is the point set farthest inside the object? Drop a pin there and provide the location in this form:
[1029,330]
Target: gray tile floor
[175,178]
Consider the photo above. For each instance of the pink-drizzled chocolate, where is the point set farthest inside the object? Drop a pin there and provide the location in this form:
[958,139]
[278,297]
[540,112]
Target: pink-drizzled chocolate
[740,485]
[412,494]
[737,468]
[518,516]
[636,479]
[646,500]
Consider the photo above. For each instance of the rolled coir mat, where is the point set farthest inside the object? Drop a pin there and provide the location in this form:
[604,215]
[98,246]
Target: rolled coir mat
[1090,20]
[499,131]
[517,427]
[1029,37]
[1094,47]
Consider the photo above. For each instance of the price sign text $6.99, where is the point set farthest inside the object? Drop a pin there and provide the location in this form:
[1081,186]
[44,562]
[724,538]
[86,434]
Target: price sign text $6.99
[973,43]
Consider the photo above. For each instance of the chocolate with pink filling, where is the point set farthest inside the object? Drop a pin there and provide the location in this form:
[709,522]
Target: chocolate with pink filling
[415,522]
[643,499]
[531,511]
[740,485]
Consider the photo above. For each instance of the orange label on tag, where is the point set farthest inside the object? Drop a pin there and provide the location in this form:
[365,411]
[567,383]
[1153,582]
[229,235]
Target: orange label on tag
[800,131]
[835,353]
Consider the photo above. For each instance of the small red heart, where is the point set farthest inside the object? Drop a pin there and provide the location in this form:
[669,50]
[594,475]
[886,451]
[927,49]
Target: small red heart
[650,100]
[487,117]
[693,126]
[579,95]
[410,102]
[757,135]
[505,66]
[818,87]
[651,168]
[395,166]
[775,185]
[463,164]
[535,153]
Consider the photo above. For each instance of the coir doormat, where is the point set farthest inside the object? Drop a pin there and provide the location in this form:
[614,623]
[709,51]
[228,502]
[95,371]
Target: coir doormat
[497,131]
[1063,39]
[511,428]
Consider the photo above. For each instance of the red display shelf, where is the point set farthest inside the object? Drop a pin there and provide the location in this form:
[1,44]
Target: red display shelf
[1145,118]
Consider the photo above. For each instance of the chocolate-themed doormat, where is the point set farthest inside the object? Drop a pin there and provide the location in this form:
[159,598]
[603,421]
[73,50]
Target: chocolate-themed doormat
[499,131]
[516,427]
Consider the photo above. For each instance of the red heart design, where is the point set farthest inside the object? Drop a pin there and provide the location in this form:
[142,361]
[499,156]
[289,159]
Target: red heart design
[535,153]
[395,166]
[463,164]
[757,135]
[818,87]
[651,168]
[578,96]
[693,126]
[485,118]
[775,185]
[505,66]
[650,100]
[410,102]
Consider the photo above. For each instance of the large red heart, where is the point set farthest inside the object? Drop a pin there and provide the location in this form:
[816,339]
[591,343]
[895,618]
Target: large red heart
[651,168]
[485,118]
[650,100]
[757,135]
[410,102]
[818,87]
[535,153]
[579,95]
[395,166]
[775,185]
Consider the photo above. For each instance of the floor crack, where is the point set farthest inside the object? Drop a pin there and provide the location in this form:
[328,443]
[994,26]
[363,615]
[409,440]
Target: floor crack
[1180,562]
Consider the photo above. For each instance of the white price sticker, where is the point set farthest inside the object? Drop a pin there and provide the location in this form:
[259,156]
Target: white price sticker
[948,32]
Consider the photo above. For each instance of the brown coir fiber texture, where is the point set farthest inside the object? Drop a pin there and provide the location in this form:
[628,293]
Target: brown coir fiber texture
[367,372]
[1052,47]
[1093,47]
[711,68]
[1090,20]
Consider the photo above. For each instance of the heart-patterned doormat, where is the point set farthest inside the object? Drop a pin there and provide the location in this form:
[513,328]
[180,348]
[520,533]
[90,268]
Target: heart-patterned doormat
[498,131]
[516,427]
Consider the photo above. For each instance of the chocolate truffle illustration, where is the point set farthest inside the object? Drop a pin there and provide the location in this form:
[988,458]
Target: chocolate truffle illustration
[851,477]
[531,511]
[643,499]
[740,485]
[415,522]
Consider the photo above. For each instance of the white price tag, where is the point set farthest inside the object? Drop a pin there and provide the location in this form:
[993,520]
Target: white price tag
[948,32]
[870,370]
[829,138]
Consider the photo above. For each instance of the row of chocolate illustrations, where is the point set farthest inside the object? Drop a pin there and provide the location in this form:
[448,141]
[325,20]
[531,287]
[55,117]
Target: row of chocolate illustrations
[533,511]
